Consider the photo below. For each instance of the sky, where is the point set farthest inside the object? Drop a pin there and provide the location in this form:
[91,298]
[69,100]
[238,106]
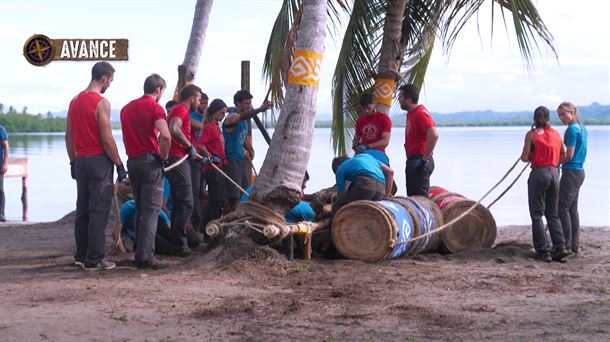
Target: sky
[482,72]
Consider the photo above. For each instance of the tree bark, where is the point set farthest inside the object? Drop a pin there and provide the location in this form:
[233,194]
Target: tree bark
[188,69]
[391,56]
[278,185]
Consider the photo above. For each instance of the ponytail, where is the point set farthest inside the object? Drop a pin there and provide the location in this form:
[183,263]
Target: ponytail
[542,117]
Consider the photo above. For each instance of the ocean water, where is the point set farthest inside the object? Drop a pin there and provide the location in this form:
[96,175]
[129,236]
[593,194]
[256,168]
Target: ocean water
[469,161]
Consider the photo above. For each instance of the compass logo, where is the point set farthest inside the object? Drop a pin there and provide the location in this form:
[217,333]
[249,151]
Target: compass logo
[39,50]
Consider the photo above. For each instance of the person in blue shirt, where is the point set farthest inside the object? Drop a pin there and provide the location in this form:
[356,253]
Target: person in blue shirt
[572,173]
[127,216]
[4,155]
[302,212]
[369,179]
[234,130]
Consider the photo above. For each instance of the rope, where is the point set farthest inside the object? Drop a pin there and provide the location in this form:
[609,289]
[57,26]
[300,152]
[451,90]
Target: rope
[229,178]
[118,243]
[174,165]
[510,186]
[443,227]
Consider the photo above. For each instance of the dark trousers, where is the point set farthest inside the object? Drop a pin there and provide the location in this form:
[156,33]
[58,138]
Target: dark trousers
[569,187]
[93,202]
[2,198]
[181,196]
[418,175]
[196,177]
[215,196]
[146,176]
[363,188]
[543,197]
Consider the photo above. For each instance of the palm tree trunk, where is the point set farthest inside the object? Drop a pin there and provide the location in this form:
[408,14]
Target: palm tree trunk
[391,56]
[278,185]
[188,69]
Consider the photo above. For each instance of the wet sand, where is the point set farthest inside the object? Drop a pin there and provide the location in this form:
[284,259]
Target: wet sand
[258,295]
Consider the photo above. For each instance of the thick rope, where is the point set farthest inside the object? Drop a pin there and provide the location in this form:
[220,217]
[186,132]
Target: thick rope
[443,227]
[510,186]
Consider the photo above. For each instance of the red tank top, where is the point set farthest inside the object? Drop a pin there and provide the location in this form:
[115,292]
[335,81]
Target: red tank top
[547,148]
[82,114]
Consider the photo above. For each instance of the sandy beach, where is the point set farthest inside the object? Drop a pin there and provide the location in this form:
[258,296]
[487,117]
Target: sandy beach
[258,295]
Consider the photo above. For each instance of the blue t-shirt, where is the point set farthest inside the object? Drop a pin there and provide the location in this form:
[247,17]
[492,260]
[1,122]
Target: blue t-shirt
[128,214]
[574,137]
[197,117]
[3,138]
[300,212]
[234,140]
[360,165]
[166,194]
[379,155]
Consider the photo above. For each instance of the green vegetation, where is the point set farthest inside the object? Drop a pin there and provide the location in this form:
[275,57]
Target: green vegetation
[22,121]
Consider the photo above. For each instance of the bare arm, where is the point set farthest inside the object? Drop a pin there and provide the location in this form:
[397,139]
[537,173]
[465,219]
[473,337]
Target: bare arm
[385,141]
[103,123]
[233,119]
[431,139]
[203,150]
[175,131]
[6,156]
[563,154]
[164,138]
[389,179]
[527,147]
[569,154]
[196,125]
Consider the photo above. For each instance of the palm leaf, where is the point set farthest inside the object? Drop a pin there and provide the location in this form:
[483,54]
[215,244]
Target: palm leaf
[528,25]
[356,65]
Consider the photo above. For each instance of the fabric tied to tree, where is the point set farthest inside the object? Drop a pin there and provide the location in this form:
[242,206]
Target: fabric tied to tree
[384,91]
[305,69]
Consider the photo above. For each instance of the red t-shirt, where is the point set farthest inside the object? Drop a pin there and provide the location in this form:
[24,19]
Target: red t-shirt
[82,114]
[211,137]
[418,122]
[547,148]
[182,112]
[138,119]
[371,127]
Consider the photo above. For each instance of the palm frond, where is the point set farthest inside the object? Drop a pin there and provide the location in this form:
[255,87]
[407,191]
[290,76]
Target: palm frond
[280,48]
[358,57]
[281,41]
[528,25]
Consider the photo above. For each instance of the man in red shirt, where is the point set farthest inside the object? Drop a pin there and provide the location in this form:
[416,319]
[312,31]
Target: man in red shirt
[141,120]
[373,130]
[179,178]
[92,152]
[421,136]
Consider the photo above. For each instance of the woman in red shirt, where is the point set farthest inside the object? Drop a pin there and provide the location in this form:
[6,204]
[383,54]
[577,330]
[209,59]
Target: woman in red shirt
[211,146]
[543,148]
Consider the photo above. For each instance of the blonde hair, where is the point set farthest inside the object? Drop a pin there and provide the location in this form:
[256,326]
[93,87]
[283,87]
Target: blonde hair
[569,107]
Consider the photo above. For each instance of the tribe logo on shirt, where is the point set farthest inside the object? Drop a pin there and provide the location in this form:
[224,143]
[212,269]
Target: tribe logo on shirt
[370,131]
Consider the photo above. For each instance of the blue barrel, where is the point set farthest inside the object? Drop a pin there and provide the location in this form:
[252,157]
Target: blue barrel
[369,231]
[427,217]
[404,224]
